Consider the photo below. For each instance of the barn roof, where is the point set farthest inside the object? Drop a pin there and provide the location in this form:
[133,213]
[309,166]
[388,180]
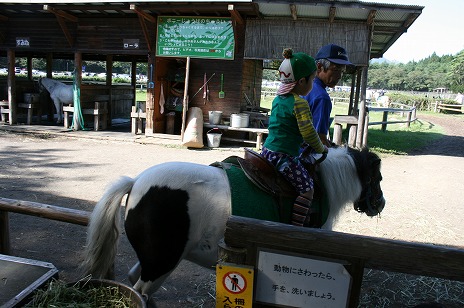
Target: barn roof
[388,21]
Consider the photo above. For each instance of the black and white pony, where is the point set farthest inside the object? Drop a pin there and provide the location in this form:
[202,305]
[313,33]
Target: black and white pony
[60,93]
[179,210]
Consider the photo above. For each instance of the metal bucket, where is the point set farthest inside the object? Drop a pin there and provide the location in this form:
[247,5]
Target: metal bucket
[215,117]
[214,137]
[239,119]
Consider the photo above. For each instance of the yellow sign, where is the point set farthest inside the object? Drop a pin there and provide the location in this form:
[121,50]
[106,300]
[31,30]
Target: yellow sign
[234,286]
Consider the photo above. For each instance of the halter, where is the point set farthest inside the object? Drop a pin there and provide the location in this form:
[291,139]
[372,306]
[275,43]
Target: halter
[372,208]
[366,195]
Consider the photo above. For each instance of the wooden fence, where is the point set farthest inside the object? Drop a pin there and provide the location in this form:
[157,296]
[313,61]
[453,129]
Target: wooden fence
[247,236]
[439,106]
[35,209]
[352,122]
[409,111]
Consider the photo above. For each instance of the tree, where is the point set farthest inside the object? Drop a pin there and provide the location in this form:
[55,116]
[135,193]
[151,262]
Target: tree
[456,73]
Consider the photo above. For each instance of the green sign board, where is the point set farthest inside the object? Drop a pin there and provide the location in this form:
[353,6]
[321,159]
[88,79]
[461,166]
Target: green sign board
[196,37]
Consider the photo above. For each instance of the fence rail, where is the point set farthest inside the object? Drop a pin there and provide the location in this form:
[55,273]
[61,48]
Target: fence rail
[439,106]
[410,111]
[53,212]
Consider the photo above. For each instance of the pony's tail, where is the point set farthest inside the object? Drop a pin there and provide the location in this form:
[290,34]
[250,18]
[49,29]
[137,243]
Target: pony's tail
[103,231]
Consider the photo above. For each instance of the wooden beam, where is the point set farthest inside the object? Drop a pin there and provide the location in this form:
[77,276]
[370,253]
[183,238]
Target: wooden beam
[143,14]
[65,30]
[371,17]
[60,13]
[293,11]
[235,14]
[332,14]
[143,25]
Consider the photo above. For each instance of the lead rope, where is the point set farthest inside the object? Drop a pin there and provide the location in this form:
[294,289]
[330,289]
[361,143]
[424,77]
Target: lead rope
[77,103]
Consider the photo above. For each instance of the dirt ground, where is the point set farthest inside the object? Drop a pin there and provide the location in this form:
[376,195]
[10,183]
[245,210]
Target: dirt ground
[423,191]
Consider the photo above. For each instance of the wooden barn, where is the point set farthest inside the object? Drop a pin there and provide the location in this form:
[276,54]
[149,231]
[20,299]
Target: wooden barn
[186,44]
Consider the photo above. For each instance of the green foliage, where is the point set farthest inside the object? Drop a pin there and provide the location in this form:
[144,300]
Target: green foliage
[425,75]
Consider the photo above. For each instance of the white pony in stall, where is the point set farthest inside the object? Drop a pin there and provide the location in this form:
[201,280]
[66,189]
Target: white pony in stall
[60,93]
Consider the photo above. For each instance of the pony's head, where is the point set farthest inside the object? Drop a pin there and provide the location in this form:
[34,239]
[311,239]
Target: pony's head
[371,200]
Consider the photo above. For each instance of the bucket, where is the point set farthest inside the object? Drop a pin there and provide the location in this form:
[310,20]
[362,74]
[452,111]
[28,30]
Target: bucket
[215,117]
[239,119]
[214,137]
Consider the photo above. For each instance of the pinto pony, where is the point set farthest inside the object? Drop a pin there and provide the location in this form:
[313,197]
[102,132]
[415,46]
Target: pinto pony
[179,210]
[60,93]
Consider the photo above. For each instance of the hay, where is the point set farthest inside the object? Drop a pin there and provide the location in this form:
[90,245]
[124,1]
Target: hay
[387,289]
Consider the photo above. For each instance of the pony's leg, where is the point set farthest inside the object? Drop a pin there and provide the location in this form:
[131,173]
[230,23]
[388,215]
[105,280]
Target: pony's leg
[157,226]
[134,273]
[59,112]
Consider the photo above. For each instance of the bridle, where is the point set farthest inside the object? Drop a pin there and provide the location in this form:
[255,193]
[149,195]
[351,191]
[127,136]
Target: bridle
[371,208]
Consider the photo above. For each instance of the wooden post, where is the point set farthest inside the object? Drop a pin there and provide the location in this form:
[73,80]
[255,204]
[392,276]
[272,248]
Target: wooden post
[337,136]
[360,129]
[4,233]
[352,135]
[409,119]
[150,108]
[77,120]
[109,83]
[365,131]
[384,120]
[11,87]
[185,101]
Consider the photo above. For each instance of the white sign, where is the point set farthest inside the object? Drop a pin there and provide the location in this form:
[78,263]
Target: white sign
[301,282]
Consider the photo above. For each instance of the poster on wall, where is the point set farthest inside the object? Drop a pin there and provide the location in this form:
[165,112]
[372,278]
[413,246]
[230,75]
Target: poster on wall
[196,37]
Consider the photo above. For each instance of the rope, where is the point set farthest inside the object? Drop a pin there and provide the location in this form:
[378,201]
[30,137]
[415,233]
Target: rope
[77,104]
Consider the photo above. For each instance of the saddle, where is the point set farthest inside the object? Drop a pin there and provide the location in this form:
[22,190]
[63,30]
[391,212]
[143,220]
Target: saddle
[264,175]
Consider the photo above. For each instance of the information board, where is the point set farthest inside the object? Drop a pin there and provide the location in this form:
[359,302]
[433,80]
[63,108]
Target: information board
[196,37]
[301,282]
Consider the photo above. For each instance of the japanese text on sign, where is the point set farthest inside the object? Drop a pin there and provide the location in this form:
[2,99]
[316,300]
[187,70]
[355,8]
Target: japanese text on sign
[205,37]
[301,282]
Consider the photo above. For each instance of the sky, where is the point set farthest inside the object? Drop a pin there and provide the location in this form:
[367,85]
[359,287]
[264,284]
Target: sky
[439,29]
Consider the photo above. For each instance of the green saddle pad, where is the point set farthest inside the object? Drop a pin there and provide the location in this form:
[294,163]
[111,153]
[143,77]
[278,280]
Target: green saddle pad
[250,201]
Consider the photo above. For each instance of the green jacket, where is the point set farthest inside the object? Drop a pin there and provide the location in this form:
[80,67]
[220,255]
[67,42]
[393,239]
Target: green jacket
[290,124]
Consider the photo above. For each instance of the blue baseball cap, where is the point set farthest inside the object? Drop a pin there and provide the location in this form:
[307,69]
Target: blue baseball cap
[334,54]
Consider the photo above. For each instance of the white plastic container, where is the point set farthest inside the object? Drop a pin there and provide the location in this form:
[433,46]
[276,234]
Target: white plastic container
[239,120]
[215,117]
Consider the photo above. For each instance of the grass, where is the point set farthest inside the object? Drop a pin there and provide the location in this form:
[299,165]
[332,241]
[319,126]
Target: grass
[398,139]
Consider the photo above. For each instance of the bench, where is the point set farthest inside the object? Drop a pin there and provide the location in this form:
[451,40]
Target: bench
[4,110]
[100,110]
[137,120]
[258,131]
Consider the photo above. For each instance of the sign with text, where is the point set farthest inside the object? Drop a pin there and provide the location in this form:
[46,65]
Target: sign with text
[23,42]
[131,43]
[234,286]
[301,282]
[196,37]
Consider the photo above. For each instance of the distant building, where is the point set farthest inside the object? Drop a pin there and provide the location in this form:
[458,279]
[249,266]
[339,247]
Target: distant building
[440,90]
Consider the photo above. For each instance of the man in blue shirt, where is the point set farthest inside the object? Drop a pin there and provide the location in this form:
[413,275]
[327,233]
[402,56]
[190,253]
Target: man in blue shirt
[331,62]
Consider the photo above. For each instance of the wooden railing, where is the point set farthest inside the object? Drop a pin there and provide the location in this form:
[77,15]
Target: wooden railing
[35,209]
[410,115]
[245,237]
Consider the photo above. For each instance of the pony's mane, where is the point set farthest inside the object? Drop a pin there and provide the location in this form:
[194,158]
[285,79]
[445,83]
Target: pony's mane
[340,177]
